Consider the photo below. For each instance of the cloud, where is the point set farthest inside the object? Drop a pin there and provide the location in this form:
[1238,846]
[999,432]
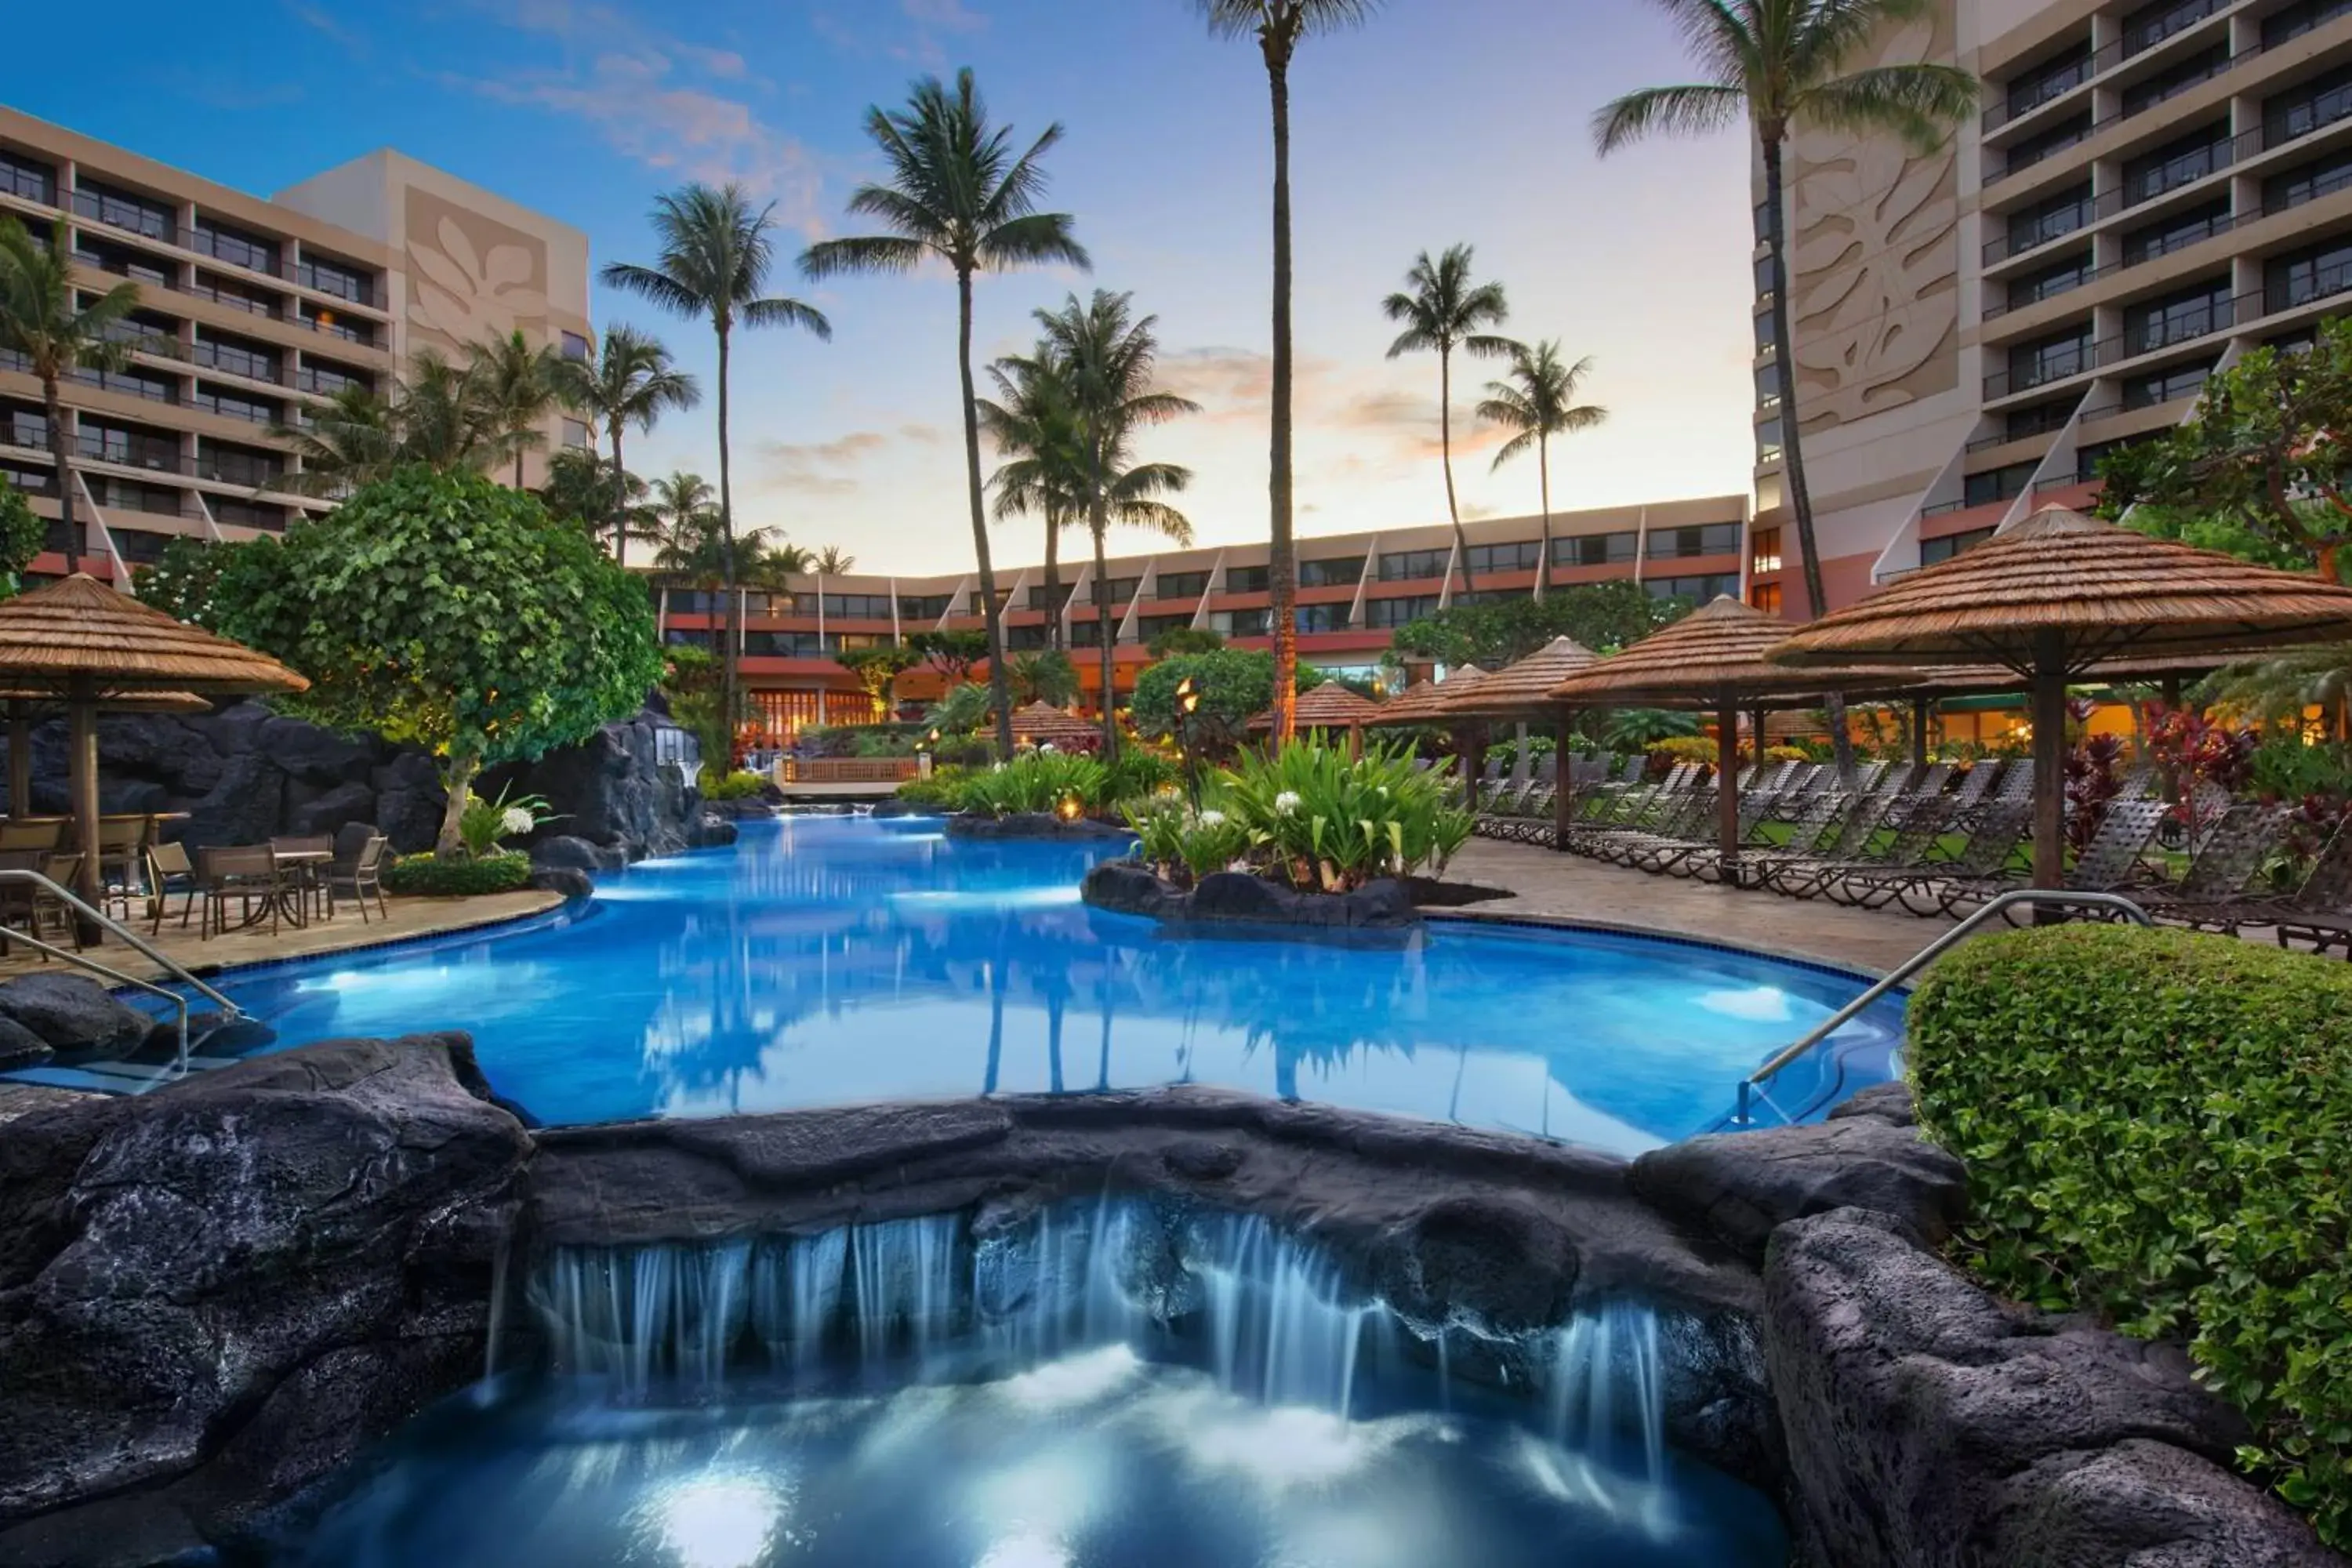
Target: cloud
[922,435]
[831,467]
[916,36]
[321,20]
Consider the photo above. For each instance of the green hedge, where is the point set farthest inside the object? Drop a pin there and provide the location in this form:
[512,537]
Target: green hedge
[502,872]
[740,785]
[2159,1127]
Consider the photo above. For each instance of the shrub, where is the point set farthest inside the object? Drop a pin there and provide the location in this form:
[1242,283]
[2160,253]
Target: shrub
[944,788]
[1037,781]
[1183,845]
[487,822]
[1138,771]
[1321,820]
[1685,749]
[740,785]
[2159,1127]
[501,872]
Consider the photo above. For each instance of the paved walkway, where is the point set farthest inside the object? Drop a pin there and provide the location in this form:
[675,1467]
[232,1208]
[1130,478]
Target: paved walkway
[1574,887]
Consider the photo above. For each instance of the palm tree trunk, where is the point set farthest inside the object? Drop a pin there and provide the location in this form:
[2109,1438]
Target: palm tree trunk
[620,504]
[1543,557]
[1282,566]
[59,456]
[999,693]
[1792,462]
[727,568]
[1445,456]
[1100,525]
[1052,581]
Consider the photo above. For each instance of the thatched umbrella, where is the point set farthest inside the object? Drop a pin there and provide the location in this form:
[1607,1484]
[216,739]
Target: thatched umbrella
[2062,596]
[1522,690]
[1042,723]
[1426,704]
[86,645]
[1714,658]
[1329,706]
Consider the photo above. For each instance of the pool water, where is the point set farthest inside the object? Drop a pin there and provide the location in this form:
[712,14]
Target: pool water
[826,960]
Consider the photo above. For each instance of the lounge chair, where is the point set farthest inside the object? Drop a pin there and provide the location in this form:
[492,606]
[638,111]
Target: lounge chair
[1919,886]
[1860,883]
[2212,894]
[2107,864]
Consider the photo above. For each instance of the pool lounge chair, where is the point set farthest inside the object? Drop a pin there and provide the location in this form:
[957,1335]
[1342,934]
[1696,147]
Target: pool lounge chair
[2214,893]
[2109,864]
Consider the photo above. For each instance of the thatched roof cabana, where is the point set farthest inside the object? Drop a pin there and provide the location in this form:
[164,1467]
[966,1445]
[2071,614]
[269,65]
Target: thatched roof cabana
[1521,689]
[1041,723]
[2059,596]
[1422,704]
[1329,706]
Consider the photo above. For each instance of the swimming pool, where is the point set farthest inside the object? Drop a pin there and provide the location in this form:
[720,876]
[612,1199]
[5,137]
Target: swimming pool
[826,960]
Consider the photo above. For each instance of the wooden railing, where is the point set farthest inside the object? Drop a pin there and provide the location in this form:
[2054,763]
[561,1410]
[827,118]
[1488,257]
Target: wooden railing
[847,770]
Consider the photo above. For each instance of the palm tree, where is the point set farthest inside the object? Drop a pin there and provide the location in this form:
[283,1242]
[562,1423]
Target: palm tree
[958,193]
[833,561]
[443,418]
[630,381]
[516,385]
[1537,403]
[1104,357]
[42,320]
[1036,436]
[716,254]
[354,440]
[1441,309]
[1779,62]
[1278,26]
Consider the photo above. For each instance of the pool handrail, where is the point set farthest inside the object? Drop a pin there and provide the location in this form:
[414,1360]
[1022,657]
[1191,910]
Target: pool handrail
[2114,903]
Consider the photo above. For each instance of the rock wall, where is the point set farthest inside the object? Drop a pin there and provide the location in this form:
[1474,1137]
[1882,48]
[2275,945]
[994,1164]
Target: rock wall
[243,775]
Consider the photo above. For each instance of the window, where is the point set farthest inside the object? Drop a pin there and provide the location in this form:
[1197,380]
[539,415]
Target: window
[2304,276]
[1408,565]
[337,326]
[341,280]
[1768,439]
[2177,163]
[130,448]
[121,209]
[2304,108]
[2048,359]
[1933,550]
[1712,539]
[1768,385]
[784,644]
[1765,596]
[2296,20]
[232,405]
[122,261]
[129,495]
[2177,231]
[2320,177]
[236,295]
[1763,222]
[1469,596]
[575,347]
[1701,590]
[1024,639]
[1764,550]
[1331,571]
[1764,276]
[27,178]
[923,607]
[235,356]
[1764,331]
[770,604]
[234,247]
[1320,617]
[2193,312]
[1086,632]
[1241,623]
[1523,556]
[1594,549]
[2024,154]
[1388,613]
[1149,627]
[2088,461]
[2038,286]
[2005,483]
[851,642]
[2045,220]
[327,380]
[2151,25]
[1113,590]
[238,464]
[238,512]
[1041,598]
[2038,420]
[153,385]
[857,606]
[2037,86]
[693,602]
[1245,579]
[2203,65]
[32,481]
[1180,585]
[575,435]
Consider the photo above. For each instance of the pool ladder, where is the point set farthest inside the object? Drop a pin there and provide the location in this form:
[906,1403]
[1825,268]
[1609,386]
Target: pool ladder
[105,921]
[2114,903]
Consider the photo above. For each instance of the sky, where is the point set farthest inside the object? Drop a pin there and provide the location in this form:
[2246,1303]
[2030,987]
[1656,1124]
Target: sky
[1441,122]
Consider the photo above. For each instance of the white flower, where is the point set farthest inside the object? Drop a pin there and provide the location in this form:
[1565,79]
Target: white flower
[517,819]
[1286,802]
[1212,819]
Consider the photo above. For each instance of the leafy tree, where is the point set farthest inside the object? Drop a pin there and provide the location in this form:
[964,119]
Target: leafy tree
[2265,455]
[444,611]
[1048,677]
[1442,308]
[957,194]
[1778,63]
[42,319]
[878,668]
[962,711]
[183,579]
[631,383]
[1105,356]
[23,536]
[952,652]
[1537,402]
[1278,26]
[1235,684]
[690,682]
[1179,640]
[1603,616]
[715,258]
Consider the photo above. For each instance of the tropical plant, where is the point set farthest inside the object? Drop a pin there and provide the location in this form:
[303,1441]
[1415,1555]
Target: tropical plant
[716,252]
[1183,845]
[952,652]
[1139,770]
[44,322]
[1036,431]
[1780,63]
[354,440]
[1441,310]
[1327,822]
[629,384]
[582,488]
[444,611]
[832,561]
[690,684]
[962,711]
[2193,749]
[1278,26]
[956,193]
[1105,356]
[1180,641]
[1039,780]
[1536,402]
[22,535]
[457,875]
[519,384]
[878,668]
[484,823]
[1640,729]
[740,785]
[2276,688]
[1047,677]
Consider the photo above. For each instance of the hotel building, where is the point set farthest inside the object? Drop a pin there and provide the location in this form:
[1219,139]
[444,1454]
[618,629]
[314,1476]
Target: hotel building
[252,311]
[1354,590]
[2149,191]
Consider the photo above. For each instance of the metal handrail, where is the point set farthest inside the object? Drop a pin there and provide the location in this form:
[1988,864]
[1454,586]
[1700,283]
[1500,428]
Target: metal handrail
[105,921]
[2114,902]
[80,960]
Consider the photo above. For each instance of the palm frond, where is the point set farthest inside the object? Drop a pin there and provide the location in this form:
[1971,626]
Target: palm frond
[1525,441]
[1028,241]
[1689,110]
[872,253]
[783,312]
[1919,103]
[1485,345]
[655,286]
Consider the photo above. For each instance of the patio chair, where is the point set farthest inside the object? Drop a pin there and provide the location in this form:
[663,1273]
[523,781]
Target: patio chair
[1919,885]
[2111,859]
[308,878]
[243,872]
[1671,819]
[2212,894]
[360,873]
[122,856]
[30,909]
[33,833]
[1611,813]
[169,871]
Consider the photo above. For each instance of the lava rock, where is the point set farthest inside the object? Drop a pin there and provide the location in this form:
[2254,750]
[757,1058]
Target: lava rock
[743,808]
[411,819]
[1497,1265]
[894,806]
[331,811]
[247,806]
[72,1013]
[1126,887]
[314,755]
[171,1261]
[709,832]
[568,853]
[20,1047]
[1243,898]
[1930,1426]
[1740,1185]
[1032,825]
[1888,1102]
[568,881]
[609,790]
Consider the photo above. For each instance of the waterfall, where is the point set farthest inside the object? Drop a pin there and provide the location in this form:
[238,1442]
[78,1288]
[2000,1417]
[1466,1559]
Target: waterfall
[1271,1316]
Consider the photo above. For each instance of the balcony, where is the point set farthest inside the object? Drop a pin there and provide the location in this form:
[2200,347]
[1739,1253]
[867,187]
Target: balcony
[2058,82]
